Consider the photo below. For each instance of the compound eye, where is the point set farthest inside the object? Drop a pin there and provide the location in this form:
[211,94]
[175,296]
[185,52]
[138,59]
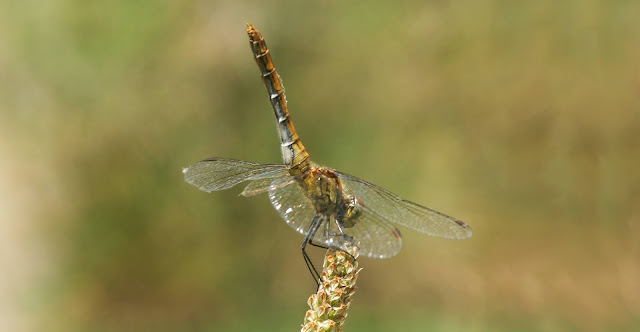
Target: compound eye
[352,211]
[355,208]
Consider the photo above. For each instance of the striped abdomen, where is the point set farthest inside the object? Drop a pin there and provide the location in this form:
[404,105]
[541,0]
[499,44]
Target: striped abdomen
[294,154]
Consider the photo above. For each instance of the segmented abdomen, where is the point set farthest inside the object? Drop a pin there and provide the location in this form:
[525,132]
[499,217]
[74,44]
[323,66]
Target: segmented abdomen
[294,154]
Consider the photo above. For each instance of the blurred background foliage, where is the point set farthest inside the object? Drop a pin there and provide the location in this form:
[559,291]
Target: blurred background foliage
[520,117]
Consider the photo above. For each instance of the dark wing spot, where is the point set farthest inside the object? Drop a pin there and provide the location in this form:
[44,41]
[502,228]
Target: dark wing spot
[396,232]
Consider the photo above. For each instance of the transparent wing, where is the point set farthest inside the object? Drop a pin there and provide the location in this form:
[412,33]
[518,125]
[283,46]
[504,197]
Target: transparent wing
[375,237]
[291,203]
[260,186]
[217,174]
[392,208]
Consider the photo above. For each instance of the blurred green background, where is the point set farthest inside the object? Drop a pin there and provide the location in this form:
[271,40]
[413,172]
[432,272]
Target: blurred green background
[520,117]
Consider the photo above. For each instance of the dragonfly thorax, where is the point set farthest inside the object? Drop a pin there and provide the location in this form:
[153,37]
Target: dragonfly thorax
[323,188]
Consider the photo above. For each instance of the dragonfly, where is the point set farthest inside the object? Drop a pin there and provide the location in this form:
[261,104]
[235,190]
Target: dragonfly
[328,207]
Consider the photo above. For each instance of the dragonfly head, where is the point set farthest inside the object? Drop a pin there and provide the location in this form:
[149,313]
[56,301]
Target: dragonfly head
[351,211]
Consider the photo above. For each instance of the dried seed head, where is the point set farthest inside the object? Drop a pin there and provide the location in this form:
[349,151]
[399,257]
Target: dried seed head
[328,307]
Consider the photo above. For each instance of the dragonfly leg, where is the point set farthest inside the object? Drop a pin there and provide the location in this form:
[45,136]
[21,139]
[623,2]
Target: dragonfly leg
[346,240]
[313,228]
[318,245]
[340,238]
[326,236]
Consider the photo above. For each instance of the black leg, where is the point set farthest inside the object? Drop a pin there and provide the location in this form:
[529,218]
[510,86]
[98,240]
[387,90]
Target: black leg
[318,245]
[313,228]
[326,236]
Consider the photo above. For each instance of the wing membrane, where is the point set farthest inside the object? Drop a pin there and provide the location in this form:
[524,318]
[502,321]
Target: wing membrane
[393,208]
[375,237]
[292,205]
[260,186]
[218,174]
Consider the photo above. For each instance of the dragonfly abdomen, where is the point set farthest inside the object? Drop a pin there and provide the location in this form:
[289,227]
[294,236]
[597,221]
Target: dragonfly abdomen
[294,154]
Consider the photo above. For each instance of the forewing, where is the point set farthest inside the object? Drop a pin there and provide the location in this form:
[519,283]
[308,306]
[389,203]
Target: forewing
[218,174]
[392,208]
[260,186]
